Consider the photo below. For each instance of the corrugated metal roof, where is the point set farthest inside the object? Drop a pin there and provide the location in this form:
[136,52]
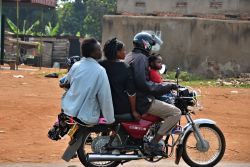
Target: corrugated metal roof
[49,3]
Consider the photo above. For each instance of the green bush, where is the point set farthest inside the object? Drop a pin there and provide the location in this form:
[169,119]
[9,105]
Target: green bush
[184,76]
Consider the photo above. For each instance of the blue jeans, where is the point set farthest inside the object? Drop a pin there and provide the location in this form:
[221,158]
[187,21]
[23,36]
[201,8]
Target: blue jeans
[168,98]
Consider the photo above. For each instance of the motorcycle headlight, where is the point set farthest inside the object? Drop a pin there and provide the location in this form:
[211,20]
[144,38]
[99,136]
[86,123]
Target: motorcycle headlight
[193,94]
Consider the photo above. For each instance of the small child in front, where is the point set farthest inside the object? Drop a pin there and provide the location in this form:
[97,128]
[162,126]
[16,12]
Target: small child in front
[155,64]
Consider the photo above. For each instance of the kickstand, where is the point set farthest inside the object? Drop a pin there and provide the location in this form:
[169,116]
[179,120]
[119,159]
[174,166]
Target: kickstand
[123,162]
[179,151]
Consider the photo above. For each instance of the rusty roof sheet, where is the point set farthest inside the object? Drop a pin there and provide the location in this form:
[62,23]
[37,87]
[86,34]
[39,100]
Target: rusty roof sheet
[48,3]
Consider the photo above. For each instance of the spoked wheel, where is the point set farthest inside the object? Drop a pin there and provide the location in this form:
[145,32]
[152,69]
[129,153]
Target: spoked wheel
[196,156]
[93,143]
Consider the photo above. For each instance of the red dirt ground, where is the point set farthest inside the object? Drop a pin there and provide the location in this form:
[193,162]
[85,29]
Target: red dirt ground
[29,106]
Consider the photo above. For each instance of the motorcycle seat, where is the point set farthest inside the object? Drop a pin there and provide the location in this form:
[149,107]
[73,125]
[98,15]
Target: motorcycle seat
[124,118]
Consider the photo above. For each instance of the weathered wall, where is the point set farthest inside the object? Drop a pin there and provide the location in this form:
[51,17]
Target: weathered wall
[56,52]
[185,6]
[190,43]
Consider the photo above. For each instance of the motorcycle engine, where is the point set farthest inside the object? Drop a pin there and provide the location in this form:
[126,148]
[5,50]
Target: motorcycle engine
[98,144]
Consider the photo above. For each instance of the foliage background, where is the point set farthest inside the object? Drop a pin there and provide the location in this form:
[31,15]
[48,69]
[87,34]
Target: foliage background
[77,17]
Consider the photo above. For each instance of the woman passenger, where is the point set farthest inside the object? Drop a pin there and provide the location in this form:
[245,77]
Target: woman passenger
[120,78]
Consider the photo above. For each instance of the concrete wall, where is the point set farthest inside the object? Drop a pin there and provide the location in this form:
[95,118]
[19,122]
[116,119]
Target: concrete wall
[185,6]
[191,43]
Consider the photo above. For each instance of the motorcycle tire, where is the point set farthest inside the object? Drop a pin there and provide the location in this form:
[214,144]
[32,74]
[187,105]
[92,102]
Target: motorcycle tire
[222,141]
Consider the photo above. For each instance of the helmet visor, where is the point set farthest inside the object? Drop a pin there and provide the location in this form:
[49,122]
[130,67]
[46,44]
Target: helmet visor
[158,43]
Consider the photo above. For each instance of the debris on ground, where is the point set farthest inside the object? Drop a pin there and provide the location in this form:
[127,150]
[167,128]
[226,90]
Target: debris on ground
[244,78]
[52,75]
[18,76]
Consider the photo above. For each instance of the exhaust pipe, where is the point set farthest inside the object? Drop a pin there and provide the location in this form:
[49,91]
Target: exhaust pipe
[112,157]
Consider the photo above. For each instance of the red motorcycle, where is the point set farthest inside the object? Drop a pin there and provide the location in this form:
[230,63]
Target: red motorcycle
[200,142]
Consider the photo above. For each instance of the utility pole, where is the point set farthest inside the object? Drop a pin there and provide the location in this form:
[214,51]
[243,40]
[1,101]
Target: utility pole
[1,34]
[17,35]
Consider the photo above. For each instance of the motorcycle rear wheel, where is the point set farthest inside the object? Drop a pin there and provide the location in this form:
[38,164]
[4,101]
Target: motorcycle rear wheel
[82,154]
[193,157]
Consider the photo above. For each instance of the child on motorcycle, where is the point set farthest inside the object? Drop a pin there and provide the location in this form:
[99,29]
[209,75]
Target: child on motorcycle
[155,64]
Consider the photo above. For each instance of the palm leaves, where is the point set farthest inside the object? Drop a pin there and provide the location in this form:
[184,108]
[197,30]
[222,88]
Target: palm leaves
[12,26]
[24,31]
[49,30]
[52,31]
[29,30]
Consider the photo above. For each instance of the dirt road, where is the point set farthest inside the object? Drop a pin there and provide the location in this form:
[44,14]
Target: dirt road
[29,105]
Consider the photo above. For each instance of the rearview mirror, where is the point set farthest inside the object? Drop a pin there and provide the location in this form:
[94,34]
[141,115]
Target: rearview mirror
[178,72]
[163,69]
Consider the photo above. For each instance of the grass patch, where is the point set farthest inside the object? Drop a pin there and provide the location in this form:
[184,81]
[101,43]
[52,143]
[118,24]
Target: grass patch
[184,76]
[188,79]
[245,86]
[211,83]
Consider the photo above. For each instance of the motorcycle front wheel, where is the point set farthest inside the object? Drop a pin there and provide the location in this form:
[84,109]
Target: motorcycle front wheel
[93,142]
[193,155]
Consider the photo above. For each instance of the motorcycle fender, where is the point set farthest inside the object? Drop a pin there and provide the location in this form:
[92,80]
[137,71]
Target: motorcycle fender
[73,146]
[197,122]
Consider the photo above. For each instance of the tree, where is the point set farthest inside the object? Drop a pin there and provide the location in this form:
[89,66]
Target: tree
[89,22]
[96,9]
[71,16]
[31,15]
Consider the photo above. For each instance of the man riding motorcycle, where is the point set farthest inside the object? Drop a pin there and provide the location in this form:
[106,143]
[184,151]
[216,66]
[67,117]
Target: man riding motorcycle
[89,93]
[146,90]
